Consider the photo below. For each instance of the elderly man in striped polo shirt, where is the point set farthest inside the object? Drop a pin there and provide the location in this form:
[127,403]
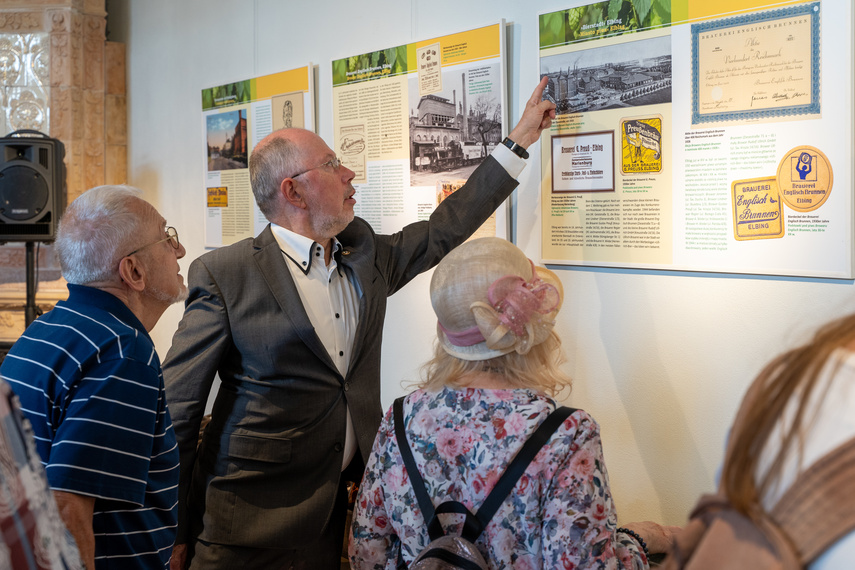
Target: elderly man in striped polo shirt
[90,381]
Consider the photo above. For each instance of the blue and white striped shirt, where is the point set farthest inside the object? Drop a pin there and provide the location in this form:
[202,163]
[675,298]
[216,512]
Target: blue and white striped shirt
[90,382]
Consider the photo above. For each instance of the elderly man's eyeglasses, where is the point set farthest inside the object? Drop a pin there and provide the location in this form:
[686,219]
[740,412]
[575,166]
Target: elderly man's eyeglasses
[334,162]
[171,236]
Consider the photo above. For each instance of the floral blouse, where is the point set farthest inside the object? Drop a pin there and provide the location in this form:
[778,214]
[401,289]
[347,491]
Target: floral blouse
[559,515]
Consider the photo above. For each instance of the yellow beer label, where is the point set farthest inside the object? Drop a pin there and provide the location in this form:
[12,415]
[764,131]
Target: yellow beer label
[218,197]
[641,145]
[757,212]
[805,178]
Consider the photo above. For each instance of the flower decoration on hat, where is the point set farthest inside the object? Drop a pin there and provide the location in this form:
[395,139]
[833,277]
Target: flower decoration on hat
[520,314]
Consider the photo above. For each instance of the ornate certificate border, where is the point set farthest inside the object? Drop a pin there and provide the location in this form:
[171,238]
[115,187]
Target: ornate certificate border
[808,102]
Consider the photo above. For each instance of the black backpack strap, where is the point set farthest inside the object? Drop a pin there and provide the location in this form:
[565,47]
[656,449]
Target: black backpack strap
[518,466]
[425,504]
[471,525]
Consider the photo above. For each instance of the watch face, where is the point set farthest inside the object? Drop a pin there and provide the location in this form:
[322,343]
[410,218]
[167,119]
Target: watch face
[517,149]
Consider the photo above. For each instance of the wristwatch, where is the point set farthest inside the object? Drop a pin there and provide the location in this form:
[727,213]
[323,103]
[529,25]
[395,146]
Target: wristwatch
[515,148]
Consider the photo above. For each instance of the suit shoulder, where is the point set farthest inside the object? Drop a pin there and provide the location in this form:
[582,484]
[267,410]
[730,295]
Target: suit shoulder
[227,253]
[356,233]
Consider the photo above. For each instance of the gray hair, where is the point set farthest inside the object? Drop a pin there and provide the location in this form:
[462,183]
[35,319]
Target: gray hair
[96,230]
[271,161]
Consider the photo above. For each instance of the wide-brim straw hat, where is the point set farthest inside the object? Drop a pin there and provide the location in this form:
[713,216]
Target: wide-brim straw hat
[490,300]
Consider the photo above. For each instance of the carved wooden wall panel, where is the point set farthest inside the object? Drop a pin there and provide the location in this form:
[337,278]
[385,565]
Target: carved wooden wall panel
[60,76]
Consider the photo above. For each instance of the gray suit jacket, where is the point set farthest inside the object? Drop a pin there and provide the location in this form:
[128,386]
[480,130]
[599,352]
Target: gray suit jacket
[267,471]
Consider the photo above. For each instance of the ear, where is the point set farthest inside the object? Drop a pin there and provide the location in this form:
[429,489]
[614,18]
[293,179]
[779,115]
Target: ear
[132,274]
[292,193]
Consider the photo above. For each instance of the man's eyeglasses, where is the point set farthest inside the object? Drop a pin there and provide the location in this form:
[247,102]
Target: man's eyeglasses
[334,162]
[171,236]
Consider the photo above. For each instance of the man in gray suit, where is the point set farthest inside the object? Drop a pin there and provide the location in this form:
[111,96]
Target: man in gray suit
[292,321]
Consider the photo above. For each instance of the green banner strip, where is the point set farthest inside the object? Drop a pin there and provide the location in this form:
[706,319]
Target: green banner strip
[228,94]
[374,65]
[603,19]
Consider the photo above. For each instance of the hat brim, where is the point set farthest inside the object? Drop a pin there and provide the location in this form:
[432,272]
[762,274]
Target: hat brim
[478,351]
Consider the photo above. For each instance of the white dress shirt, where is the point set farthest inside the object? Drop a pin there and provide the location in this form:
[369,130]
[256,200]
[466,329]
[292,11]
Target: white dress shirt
[330,296]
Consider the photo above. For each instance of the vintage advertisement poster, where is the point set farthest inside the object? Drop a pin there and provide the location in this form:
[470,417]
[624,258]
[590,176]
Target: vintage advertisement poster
[235,116]
[688,139]
[583,162]
[414,121]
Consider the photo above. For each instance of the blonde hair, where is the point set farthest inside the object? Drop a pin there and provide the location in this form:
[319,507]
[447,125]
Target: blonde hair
[792,374]
[539,369]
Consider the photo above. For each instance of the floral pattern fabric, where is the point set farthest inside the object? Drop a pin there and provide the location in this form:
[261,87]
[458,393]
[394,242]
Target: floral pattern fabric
[559,515]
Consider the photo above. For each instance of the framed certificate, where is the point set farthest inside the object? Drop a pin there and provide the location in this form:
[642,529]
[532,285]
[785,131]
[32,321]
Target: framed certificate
[757,66]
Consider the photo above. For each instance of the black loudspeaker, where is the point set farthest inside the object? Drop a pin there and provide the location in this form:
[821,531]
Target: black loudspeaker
[32,186]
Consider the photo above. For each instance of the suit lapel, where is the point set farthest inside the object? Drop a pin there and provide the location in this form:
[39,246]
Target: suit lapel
[271,264]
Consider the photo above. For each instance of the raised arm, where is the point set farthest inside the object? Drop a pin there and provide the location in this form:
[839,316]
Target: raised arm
[420,246]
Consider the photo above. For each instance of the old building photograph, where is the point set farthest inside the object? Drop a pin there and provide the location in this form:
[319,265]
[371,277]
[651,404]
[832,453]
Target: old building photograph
[622,75]
[227,148]
[453,130]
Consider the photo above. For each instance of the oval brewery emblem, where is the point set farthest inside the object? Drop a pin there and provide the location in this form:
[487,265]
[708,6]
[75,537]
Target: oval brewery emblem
[352,144]
[805,178]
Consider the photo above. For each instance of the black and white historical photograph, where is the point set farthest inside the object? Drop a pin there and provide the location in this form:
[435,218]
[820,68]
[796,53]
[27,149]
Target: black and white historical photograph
[453,130]
[630,74]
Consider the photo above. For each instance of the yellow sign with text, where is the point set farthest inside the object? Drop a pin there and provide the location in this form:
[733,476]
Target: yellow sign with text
[218,197]
[474,45]
[757,212]
[641,145]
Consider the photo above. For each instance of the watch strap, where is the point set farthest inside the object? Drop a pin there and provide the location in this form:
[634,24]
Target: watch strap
[515,148]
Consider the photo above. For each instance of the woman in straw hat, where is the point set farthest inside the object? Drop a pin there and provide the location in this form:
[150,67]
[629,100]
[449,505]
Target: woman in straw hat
[486,390]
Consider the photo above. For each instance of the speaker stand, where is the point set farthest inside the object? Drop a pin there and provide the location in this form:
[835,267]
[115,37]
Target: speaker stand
[31,310]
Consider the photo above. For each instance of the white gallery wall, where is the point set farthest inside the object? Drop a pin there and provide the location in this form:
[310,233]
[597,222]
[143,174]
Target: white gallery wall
[660,359]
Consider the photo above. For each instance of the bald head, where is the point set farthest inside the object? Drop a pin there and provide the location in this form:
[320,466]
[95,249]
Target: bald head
[275,157]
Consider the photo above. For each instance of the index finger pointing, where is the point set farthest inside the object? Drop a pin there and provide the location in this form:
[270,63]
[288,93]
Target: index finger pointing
[538,91]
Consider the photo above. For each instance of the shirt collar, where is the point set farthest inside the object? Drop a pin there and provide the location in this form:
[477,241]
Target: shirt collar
[299,249]
[86,295]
